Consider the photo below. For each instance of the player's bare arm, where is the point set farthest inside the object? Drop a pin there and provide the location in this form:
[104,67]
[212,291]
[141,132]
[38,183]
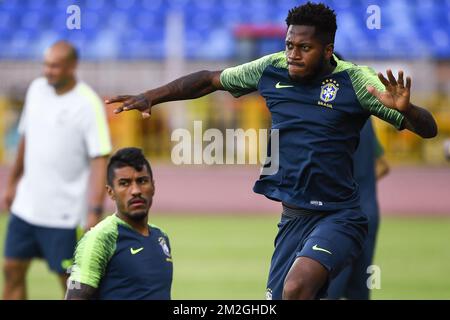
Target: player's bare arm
[97,190]
[420,121]
[192,86]
[397,96]
[15,175]
[80,291]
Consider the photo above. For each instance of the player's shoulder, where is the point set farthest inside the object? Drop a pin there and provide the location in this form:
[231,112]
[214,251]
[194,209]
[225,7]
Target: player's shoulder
[244,78]
[277,60]
[360,75]
[84,88]
[88,95]
[104,230]
[40,81]
[155,228]
[38,84]
[353,69]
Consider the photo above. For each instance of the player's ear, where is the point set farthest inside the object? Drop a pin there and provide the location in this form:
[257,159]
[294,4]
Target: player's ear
[110,192]
[153,187]
[329,48]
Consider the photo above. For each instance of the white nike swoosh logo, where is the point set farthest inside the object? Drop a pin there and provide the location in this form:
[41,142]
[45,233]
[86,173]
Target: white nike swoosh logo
[316,248]
[281,86]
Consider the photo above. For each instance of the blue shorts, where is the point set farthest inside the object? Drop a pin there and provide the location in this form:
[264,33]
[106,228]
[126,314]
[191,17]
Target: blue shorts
[351,283]
[26,241]
[334,239]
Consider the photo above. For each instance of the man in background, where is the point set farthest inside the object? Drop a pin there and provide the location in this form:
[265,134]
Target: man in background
[369,166]
[63,149]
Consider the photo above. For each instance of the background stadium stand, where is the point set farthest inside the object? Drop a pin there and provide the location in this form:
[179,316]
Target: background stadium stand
[135,29]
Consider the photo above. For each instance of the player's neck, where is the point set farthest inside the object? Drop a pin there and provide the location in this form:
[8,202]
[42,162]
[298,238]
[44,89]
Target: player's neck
[323,71]
[69,85]
[140,226]
[327,69]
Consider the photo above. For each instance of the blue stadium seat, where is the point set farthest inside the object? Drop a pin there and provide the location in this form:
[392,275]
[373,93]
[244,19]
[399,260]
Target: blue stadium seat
[419,27]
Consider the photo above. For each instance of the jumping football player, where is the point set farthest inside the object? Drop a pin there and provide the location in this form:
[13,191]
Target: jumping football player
[319,105]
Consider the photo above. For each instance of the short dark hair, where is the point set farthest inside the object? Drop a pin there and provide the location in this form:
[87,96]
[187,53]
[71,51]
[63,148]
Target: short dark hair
[317,15]
[127,157]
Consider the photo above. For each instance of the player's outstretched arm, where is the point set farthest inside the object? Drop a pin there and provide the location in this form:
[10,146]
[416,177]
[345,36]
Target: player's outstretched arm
[80,291]
[420,121]
[397,96]
[192,86]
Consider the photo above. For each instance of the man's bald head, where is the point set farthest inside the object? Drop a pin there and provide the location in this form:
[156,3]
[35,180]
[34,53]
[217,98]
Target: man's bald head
[60,63]
[64,50]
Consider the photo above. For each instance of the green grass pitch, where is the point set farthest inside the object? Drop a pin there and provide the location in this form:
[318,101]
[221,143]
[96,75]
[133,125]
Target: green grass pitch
[227,257]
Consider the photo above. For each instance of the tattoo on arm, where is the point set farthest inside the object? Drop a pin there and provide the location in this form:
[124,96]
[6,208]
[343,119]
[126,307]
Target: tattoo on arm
[79,291]
[420,121]
[192,86]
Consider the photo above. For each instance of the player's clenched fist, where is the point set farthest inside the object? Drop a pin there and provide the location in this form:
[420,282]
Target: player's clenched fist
[139,102]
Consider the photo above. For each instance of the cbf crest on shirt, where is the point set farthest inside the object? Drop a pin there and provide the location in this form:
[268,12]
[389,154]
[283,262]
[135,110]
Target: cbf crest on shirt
[328,92]
[164,247]
[318,125]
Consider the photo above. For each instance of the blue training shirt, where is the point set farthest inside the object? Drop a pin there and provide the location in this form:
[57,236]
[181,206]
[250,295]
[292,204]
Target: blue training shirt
[319,125]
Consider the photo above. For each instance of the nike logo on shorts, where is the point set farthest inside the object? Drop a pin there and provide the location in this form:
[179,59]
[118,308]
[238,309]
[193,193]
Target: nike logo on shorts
[317,248]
